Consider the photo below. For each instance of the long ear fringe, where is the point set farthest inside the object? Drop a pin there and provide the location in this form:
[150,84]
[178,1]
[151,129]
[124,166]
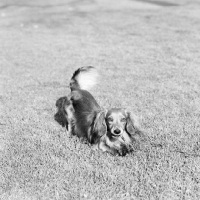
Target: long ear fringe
[132,126]
[99,126]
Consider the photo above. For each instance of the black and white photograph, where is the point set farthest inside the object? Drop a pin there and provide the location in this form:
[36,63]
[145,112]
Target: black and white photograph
[99,100]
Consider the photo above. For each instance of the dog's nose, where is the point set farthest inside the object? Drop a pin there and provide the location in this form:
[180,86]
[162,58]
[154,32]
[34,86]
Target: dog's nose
[117,131]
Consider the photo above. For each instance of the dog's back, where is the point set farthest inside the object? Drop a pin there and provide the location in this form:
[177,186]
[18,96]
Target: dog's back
[82,80]
[86,108]
[84,104]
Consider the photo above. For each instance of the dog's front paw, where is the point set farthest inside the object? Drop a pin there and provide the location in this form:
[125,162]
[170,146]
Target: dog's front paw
[123,151]
[114,152]
[95,147]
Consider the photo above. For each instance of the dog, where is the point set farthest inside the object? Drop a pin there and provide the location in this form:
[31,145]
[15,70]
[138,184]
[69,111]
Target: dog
[110,130]
[82,114]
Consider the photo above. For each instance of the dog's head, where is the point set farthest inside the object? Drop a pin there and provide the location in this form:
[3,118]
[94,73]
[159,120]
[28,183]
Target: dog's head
[119,120]
[119,128]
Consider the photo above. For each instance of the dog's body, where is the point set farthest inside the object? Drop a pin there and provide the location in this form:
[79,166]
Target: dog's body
[84,115]
[112,131]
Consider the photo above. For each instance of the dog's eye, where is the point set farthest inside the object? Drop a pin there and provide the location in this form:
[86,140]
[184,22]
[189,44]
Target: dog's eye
[123,119]
[110,119]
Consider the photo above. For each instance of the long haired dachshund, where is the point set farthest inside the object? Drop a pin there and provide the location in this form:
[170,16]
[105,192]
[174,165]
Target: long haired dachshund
[80,112]
[112,131]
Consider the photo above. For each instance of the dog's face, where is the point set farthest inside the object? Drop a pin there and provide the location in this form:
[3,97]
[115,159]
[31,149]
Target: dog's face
[116,120]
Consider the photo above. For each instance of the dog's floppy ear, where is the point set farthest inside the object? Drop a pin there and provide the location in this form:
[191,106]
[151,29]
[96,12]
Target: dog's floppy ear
[99,126]
[132,124]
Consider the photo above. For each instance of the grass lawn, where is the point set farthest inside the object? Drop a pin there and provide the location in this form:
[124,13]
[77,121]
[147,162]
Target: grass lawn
[148,55]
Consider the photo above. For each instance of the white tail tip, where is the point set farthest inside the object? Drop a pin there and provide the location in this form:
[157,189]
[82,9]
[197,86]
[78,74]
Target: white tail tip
[87,79]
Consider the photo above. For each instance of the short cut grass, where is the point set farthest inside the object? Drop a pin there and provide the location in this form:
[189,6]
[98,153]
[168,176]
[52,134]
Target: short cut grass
[148,56]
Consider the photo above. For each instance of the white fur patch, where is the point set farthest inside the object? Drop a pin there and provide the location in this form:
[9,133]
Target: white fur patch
[87,79]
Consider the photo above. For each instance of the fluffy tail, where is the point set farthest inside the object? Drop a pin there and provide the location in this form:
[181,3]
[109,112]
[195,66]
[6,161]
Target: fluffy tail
[84,78]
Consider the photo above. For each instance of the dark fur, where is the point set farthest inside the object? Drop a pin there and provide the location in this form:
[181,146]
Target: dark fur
[87,117]
[82,116]
[61,115]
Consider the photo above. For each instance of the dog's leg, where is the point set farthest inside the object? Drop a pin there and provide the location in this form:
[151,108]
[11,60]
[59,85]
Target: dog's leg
[95,147]
[70,128]
[105,148]
[70,116]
